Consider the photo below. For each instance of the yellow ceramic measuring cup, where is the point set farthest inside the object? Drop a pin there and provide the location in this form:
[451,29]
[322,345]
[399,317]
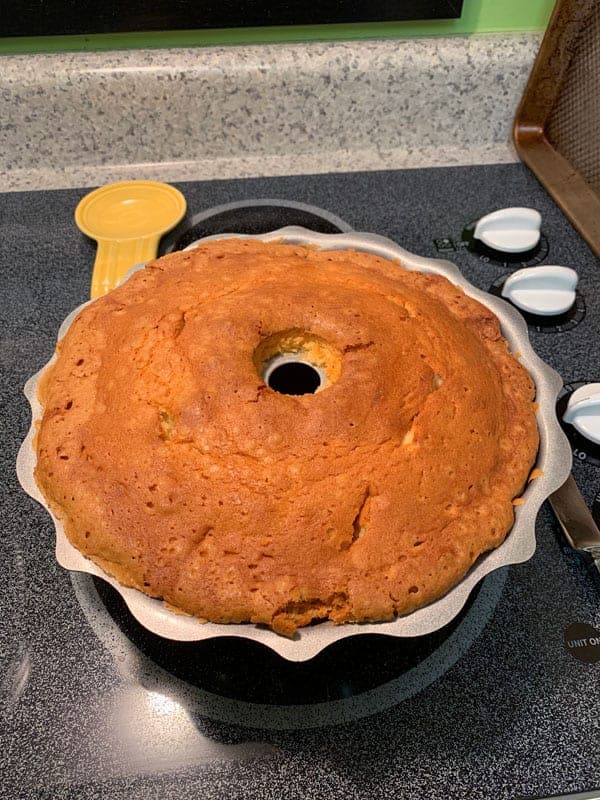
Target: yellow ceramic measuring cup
[127,220]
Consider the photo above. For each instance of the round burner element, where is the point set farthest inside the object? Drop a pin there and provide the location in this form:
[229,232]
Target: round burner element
[557,323]
[251,217]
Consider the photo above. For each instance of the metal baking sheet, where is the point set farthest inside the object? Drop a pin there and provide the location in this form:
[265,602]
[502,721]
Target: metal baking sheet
[556,124]
[554,461]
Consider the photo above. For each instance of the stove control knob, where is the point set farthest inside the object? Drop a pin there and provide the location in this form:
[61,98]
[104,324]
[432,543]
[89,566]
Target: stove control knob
[583,411]
[510,230]
[545,291]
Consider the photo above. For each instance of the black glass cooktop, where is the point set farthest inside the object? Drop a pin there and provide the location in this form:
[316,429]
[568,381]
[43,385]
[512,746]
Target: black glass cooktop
[500,703]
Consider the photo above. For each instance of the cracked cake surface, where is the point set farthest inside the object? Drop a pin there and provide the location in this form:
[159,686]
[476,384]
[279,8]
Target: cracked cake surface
[179,471]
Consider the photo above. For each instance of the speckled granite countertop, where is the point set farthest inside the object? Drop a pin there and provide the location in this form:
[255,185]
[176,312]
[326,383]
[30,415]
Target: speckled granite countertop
[84,119]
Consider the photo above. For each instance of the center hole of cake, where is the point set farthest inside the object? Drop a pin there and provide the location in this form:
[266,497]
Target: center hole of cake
[294,377]
[297,362]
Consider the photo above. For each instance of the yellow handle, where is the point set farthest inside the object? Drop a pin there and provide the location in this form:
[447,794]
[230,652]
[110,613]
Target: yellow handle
[116,256]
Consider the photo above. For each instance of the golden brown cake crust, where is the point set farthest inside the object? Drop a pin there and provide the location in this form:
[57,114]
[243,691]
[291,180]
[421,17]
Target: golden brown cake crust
[174,466]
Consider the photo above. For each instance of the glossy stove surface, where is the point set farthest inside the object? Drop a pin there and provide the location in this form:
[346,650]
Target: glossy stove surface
[497,705]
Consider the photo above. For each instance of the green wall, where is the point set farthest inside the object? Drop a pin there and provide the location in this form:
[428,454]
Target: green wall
[479,16]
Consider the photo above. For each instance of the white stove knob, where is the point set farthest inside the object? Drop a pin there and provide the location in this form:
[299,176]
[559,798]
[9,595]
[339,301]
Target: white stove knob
[546,291]
[510,230]
[583,411]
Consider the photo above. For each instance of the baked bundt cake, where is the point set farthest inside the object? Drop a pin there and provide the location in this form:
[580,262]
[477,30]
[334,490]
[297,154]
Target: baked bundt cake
[175,465]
